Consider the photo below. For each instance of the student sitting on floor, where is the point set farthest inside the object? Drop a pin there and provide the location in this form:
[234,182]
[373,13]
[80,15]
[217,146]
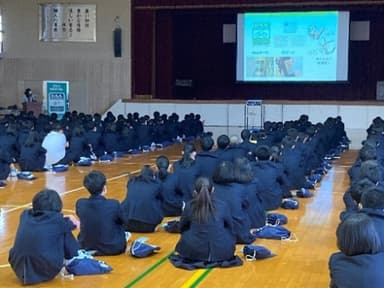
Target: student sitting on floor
[359,262]
[101,226]
[141,207]
[207,238]
[43,240]
[32,154]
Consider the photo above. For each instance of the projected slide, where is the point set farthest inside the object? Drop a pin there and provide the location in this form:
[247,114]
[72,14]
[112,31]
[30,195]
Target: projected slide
[293,46]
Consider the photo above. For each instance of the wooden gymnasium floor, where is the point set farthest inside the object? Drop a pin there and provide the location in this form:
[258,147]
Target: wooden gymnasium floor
[303,263]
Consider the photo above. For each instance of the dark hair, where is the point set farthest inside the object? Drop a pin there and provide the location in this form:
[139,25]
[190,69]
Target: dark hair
[32,138]
[357,189]
[206,143]
[187,161]
[162,163]
[146,174]
[357,235]
[262,152]
[47,200]
[367,153]
[224,173]
[371,170]
[202,204]
[245,134]
[243,172]
[373,198]
[95,182]
[223,141]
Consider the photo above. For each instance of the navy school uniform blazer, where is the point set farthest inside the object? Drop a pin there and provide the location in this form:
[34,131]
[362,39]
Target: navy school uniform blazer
[211,241]
[186,178]
[32,158]
[43,240]
[207,161]
[143,202]
[359,271]
[268,176]
[101,225]
[172,197]
[233,194]
[255,209]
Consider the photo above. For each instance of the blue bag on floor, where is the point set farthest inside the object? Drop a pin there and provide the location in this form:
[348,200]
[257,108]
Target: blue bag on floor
[304,193]
[276,219]
[272,232]
[140,249]
[85,264]
[84,161]
[60,168]
[26,175]
[290,204]
[106,158]
[255,252]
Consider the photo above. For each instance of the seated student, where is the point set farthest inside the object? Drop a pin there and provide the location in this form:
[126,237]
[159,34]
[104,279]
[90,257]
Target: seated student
[78,146]
[32,154]
[187,171]
[359,262]
[222,145]
[245,177]
[372,202]
[172,203]
[141,208]
[43,240]
[101,226]
[234,195]
[206,158]
[270,178]
[207,237]
[55,142]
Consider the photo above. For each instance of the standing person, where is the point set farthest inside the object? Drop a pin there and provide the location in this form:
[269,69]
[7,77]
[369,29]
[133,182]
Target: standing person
[207,237]
[101,227]
[141,208]
[28,96]
[359,262]
[55,142]
[43,240]
[172,198]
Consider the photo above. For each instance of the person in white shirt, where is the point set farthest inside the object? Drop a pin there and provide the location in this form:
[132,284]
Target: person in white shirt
[55,143]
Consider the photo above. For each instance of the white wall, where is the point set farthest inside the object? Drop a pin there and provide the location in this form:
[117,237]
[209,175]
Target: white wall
[229,118]
[99,79]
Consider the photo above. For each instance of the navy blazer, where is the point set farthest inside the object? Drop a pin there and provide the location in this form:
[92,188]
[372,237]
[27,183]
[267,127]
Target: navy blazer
[43,240]
[172,198]
[207,161]
[212,241]
[32,158]
[359,271]
[143,202]
[269,176]
[101,225]
[234,195]
[186,178]
[255,209]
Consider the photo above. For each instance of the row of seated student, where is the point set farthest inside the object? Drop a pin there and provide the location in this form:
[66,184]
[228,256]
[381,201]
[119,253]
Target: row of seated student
[361,231]
[38,143]
[226,204]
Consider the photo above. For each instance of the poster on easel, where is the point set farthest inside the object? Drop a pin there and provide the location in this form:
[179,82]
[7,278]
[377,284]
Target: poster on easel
[56,97]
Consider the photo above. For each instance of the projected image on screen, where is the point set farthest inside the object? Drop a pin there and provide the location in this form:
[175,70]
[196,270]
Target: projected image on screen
[293,46]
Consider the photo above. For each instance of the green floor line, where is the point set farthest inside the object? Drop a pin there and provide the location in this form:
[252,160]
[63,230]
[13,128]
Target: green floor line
[149,270]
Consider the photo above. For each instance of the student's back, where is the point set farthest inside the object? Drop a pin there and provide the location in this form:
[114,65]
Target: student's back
[101,227]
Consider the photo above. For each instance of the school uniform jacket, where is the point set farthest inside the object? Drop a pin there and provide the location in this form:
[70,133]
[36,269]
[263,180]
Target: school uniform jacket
[207,161]
[171,196]
[186,178]
[359,271]
[211,241]
[32,158]
[233,194]
[101,225]
[143,202]
[43,240]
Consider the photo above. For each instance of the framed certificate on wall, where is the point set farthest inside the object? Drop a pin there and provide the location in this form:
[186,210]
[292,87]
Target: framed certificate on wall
[67,22]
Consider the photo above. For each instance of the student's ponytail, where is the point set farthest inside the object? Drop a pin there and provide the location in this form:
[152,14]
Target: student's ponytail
[202,204]
[162,164]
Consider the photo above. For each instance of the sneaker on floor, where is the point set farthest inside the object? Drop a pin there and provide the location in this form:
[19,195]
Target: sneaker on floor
[2,184]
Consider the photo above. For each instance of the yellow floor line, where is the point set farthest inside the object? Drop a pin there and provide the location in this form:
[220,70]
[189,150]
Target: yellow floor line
[5,266]
[194,277]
